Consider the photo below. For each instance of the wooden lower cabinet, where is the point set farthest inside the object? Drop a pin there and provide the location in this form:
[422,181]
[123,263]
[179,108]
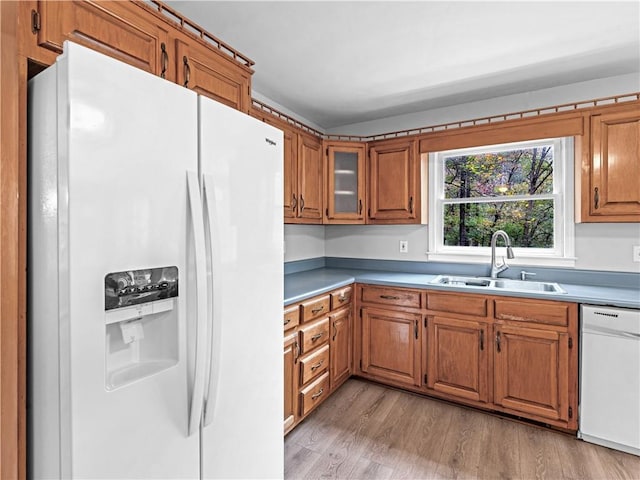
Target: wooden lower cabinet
[457,358]
[314,394]
[341,346]
[532,372]
[318,351]
[290,381]
[391,345]
[505,354]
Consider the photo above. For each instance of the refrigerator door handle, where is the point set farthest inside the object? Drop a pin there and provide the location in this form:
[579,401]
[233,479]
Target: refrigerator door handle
[214,326]
[201,302]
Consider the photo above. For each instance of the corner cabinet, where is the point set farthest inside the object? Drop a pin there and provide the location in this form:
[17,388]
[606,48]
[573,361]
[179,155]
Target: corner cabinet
[345,182]
[611,166]
[393,172]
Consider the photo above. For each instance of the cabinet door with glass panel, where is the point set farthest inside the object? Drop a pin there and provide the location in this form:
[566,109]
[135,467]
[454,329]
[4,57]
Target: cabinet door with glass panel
[345,177]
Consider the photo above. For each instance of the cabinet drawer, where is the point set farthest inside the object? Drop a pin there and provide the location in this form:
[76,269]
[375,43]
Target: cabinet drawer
[291,317]
[523,310]
[314,335]
[456,303]
[341,297]
[391,296]
[314,364]
[315,308]
[314,394]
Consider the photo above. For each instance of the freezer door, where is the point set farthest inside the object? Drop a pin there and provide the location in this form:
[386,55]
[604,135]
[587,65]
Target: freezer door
[125,142]
[241,166]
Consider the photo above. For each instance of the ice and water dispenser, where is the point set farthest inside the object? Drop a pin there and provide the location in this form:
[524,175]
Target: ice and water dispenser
[141,321]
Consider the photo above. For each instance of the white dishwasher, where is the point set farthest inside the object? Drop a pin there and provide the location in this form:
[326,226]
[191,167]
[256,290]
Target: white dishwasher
[610,377]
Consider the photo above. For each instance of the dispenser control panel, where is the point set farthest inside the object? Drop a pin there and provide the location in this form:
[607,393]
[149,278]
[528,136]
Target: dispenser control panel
[134,287]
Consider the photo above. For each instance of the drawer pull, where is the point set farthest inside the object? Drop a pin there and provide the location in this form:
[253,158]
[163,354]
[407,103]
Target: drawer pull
[287,321]
[316,395]
[342,298]
[317,365]
[316,336]
[318,309]
[389,297]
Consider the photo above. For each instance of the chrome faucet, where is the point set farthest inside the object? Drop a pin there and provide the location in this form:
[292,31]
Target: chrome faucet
[496,269]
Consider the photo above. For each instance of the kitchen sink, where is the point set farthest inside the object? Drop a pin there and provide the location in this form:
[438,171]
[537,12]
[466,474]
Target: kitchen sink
[498,284]
[527,286]
[461,281]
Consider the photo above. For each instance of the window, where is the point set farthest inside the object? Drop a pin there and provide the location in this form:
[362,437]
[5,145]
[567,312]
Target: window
[523,188]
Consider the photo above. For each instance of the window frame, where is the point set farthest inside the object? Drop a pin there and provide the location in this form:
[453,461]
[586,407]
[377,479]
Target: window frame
[563,252]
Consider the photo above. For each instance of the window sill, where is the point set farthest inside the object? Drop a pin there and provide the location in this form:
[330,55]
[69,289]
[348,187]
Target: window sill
[519,260]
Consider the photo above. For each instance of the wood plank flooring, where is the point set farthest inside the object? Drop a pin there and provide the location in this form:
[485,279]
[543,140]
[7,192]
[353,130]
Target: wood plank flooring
[367,431]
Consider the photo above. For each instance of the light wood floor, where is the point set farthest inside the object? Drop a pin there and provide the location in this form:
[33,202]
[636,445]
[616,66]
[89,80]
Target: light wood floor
[368,431]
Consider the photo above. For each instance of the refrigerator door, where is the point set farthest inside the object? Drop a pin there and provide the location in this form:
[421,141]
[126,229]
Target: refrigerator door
[241,167]
[125,141]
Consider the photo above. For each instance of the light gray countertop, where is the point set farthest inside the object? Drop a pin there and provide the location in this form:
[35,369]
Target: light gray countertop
[302,285]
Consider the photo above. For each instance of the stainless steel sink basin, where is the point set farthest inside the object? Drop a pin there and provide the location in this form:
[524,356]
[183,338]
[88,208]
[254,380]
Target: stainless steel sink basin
[498,284]
[527,286]
[461,281]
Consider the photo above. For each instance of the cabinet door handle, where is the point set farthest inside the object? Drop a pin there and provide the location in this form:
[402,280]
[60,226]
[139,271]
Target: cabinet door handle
[415,328]
[317,309]
[481,339]
[389,297]
[297,351]
[317,365]
[335,330]
[301,203]
[187,71]
[316,336]
[410,204]
[360,207]
[498,341]
[596,198]
[165,60]
[316,395]
[294,202]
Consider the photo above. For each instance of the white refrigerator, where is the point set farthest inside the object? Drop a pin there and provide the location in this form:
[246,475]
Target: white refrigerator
[155,270]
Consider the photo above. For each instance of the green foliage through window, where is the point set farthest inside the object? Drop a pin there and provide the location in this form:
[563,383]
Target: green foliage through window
[510,190]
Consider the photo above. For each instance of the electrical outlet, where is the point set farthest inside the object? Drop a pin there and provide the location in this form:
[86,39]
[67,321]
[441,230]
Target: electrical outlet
[636,253]
[404,246]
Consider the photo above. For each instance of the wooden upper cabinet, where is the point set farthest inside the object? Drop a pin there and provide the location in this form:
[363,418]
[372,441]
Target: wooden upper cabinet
[393,173]
[309,169]
[612,167]
[345,182]
[118,29]
[205,71]
[290,172]
[532,372]
[458,360]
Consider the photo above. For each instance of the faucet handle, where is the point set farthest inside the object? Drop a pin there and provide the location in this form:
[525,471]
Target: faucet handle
[524,274]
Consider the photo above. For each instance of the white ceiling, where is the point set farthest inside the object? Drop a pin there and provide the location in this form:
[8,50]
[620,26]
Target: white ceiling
[337,63]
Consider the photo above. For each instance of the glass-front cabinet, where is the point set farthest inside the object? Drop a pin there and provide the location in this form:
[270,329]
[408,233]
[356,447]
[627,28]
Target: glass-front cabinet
[345,177]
